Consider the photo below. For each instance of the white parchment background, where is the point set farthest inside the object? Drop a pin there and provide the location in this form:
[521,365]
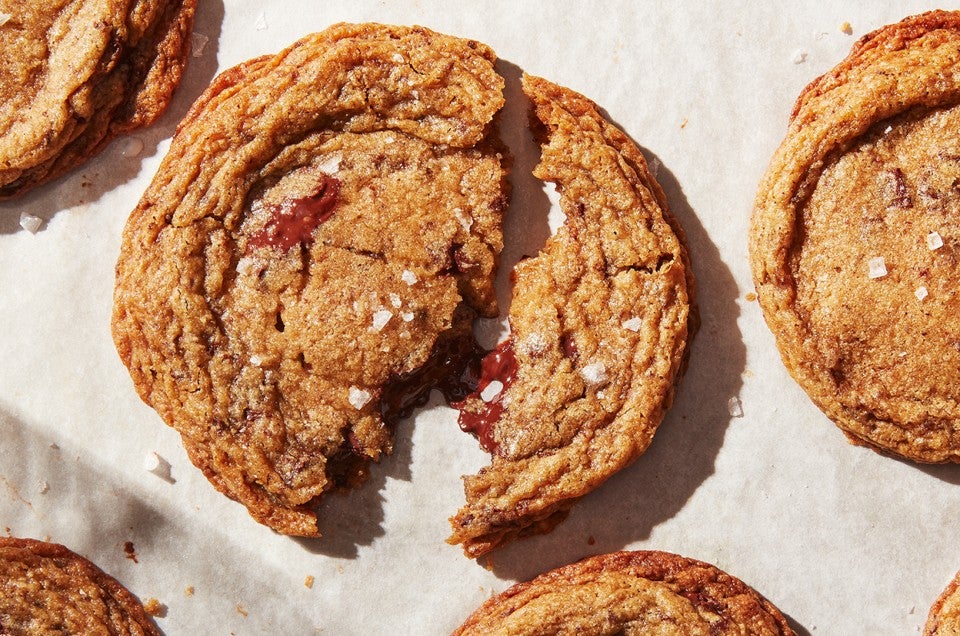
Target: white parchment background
[843,540]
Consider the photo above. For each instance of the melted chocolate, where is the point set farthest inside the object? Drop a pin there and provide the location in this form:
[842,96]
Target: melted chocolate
[293,221]
[500,365]
[453,369]
[460,369]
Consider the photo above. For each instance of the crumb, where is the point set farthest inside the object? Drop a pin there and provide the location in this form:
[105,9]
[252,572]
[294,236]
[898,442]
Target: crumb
[683,124]
[591,540]
[44,487]
[339,569]
[308,582]
[131,551]
[242,611]
[750,297]
[155,608]
[846,28]
[30,222]
[188,591]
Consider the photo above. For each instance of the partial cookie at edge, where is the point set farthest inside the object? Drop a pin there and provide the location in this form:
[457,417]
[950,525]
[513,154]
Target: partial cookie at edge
[630,592]
[854,239]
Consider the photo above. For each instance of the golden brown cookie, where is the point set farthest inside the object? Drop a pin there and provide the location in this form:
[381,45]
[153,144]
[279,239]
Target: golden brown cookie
[629,593]
[600,322]
[74,74]
[323,216]
[47,589]
[944,618]
[855,239]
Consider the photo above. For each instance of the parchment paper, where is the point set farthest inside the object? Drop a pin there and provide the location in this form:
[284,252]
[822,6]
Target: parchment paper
[843,540]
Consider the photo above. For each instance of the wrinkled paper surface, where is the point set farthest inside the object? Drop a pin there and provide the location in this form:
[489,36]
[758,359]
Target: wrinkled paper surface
[842,540]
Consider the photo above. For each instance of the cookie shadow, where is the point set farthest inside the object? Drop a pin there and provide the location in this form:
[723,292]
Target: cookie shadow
[683,454]
[949,473]
[353,518]
[108,169]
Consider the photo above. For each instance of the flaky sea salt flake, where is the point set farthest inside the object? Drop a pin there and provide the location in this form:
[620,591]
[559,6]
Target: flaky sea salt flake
[595,373]
[261,24]
[934,241]
[380,319]
[330,165]
[358,397]
[198,42]
[409,277]
[407,316]
[491,391]
[157,465]
[921,292]
[735,407]
[877,267]
[799,56]
[4,18]
[132,147]
[633,324]
[395,300]
[30,222]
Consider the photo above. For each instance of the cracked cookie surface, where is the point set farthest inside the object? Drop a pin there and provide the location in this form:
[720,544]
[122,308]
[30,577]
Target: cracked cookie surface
[600,322]
[47,589]
[642,592]
[76,73]
[323,216]
[854,240]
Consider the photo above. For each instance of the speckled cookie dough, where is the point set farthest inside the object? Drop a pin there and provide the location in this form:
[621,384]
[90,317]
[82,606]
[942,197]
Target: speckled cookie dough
[76,73]
[323,217]
[600,322]
[854,240]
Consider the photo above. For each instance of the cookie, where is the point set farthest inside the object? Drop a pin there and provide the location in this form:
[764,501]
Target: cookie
[47,589]
[944,618]
[73,75]
[855,238]
[324,219]
[641,592]
[600,322]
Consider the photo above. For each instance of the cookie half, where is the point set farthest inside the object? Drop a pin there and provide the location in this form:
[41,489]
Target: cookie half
[944,618]
[73,75]
[47,589]
[629,593]
[600,321]
[323,217]
[855,239]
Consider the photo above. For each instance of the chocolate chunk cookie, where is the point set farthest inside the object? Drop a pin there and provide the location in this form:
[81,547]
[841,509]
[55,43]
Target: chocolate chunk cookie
[855,240]
[629,593]
[74,74]
[944,619]
[600,322]
[47,589]
[323,216]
